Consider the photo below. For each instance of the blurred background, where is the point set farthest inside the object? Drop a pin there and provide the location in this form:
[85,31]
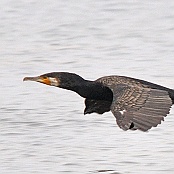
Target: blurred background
[43,129]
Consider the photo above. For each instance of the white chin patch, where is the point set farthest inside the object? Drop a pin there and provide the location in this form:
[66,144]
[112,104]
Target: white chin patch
[53,81]
[122,112]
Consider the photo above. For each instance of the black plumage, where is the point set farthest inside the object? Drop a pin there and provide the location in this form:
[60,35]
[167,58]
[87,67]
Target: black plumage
[136,104]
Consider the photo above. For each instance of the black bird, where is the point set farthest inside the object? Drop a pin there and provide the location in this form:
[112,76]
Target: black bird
[136,104]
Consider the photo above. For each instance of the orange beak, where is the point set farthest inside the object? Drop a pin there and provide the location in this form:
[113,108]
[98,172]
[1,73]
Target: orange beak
[40,79]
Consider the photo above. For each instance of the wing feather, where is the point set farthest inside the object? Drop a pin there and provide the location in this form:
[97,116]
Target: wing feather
[139,108]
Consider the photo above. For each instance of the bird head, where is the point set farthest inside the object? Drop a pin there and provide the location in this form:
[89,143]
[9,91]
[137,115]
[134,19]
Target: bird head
[51,79]
[59,79]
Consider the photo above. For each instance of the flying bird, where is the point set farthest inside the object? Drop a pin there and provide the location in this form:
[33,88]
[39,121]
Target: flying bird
[136,104]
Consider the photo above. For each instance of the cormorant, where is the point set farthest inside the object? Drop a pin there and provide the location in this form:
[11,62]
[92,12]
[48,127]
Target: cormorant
[136,104]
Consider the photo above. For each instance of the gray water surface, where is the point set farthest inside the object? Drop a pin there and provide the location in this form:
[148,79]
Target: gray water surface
[42,128]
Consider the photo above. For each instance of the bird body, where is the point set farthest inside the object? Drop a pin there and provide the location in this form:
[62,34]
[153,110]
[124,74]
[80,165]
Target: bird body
[136,104]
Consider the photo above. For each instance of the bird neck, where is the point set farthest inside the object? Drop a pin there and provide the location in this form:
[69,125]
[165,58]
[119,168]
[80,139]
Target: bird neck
[85,88]
[94,90]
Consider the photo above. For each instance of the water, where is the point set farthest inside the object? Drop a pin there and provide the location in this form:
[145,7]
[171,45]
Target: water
[42,129]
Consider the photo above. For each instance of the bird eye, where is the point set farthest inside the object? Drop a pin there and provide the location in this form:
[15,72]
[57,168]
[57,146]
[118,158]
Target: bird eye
[44,77]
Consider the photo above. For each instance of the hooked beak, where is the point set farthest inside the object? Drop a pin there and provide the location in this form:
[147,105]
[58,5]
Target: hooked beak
[40,79]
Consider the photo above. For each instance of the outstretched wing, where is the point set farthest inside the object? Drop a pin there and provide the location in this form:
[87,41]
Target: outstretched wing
[139,108]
